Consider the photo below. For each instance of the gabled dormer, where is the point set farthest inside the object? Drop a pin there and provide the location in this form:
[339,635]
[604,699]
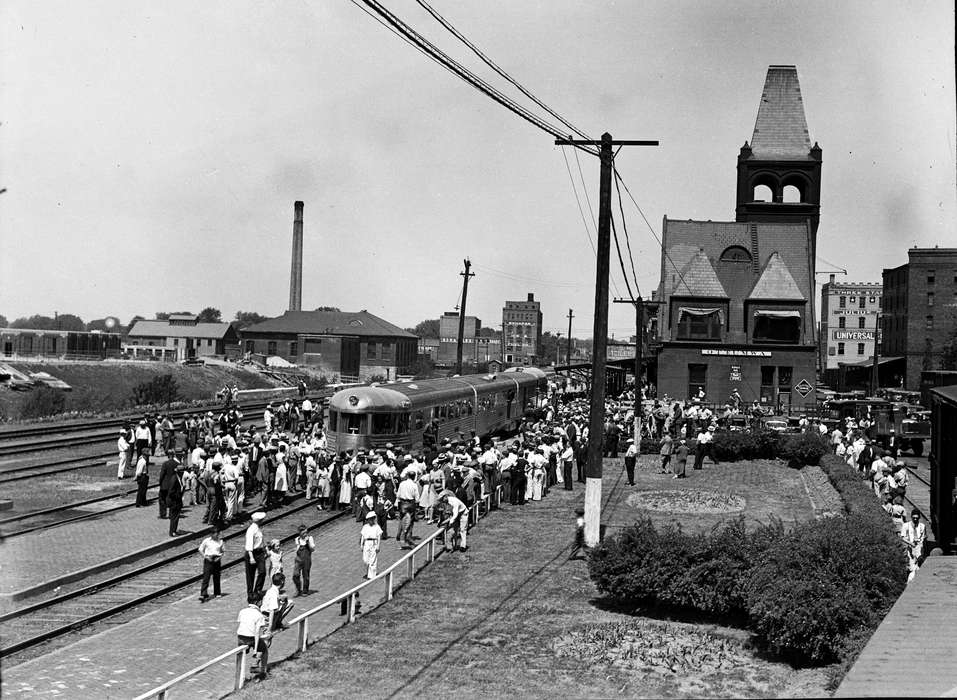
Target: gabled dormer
[776,307]
[699,303]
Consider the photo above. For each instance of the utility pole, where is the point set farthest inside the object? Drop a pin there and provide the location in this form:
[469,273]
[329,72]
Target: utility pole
[558,348]
[465,294]
[875,378]
[639,339]
[568,349]
[596,423]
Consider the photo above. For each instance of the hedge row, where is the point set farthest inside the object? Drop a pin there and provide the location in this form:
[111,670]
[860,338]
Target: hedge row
[798,449]
[807,593]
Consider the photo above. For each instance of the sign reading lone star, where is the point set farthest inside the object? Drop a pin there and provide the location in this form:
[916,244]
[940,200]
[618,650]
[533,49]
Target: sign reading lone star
[803,388]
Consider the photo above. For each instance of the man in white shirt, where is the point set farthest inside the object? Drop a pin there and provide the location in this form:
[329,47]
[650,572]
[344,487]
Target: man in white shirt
[914,535]
[123,447]
[255,552]
[458,519]
[253,634]
[408,498]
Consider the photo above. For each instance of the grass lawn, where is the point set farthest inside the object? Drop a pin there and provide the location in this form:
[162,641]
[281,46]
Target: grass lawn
[514,618]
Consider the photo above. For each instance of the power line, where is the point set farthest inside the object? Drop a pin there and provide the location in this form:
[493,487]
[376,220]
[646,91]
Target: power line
[520,278]
[494,66]
[653,233]
[621,262]
[465,74]
[624,225]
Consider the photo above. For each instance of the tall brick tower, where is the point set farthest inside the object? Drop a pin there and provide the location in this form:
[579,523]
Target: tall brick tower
[779,171]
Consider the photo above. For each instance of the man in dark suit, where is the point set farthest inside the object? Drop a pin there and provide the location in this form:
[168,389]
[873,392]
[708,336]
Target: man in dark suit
[166,476]
[174,499]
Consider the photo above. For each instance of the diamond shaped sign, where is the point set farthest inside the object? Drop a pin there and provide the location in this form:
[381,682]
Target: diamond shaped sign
[803,388]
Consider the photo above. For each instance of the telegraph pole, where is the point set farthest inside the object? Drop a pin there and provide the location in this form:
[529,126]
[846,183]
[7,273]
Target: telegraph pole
[568,350]
[596,423]
[558,348]
[639,333]
[465,293]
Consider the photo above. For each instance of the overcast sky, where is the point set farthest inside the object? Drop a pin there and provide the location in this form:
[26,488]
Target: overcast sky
[152,152]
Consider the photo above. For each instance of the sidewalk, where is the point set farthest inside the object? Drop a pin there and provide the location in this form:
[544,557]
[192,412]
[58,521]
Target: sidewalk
[143,653]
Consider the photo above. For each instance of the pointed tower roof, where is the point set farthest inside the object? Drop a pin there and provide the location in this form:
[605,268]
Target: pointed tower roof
[698,279]
[780,131]
[776,282]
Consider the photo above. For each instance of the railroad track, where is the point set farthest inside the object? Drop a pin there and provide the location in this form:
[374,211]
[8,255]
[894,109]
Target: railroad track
[52,618]
[50,515]
[25,440]
[27,471]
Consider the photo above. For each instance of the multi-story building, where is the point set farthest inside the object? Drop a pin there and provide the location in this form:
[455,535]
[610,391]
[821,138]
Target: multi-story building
[737,307]
[848,328]
[521,331]
[920,313]
[449,338]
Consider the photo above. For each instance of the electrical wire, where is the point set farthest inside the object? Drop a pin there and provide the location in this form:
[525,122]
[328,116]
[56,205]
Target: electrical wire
[520,278]
[494,66]
[624,225]
[653,233]
[468,76]
[621,261]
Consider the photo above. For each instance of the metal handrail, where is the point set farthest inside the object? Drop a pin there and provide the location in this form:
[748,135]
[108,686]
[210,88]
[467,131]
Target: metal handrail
[302,620]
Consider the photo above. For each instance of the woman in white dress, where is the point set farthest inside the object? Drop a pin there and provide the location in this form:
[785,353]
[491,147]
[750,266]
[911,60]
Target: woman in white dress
[370,539]
[433,483]
[345,486]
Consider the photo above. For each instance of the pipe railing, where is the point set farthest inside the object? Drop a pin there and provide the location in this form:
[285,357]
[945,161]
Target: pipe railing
[161,692]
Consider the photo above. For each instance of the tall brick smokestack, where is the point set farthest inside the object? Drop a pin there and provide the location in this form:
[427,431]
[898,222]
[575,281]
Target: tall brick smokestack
[295,274]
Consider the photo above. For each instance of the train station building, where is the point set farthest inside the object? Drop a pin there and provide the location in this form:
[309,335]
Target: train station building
[340,344]
[737,306]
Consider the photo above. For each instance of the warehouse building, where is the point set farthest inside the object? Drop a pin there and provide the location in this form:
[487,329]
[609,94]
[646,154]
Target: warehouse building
[339,344]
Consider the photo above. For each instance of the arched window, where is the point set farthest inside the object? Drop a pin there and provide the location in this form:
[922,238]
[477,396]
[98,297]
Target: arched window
[736,253]
[792,194]
[762,193]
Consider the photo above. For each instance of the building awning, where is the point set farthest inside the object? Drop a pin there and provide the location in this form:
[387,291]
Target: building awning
[869,362]
[694,311]
[778,313]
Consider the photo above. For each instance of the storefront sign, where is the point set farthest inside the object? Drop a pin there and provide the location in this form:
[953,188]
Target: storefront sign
[854,335]
[735,373]
[856,312]
[737,353]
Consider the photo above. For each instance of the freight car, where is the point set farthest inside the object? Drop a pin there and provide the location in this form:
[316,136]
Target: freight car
[943,466]
[410,414]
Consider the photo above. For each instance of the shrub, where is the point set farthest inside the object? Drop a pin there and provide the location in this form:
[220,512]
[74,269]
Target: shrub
[824,583]
[158,390]
[43,401]
[804,448]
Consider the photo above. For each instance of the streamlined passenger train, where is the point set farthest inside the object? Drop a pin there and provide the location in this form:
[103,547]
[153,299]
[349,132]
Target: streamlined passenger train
[408,413]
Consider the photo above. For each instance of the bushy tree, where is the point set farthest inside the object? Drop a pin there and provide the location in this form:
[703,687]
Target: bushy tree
[426,329]
[327,308]
[158,390]
[248,318]
[64,322]
[210,315]
[3,321]
[43,401]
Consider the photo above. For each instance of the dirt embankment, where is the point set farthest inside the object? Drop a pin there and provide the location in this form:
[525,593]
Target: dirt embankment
[108,386]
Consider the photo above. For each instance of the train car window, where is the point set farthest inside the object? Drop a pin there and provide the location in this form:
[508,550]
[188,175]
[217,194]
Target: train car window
[333,420]
[383,424]
[453,410]
[353,423]
[403,422]
[443,411]
[419,420]
[469,408]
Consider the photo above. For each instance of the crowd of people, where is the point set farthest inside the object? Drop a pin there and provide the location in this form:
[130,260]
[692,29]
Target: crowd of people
[888,475]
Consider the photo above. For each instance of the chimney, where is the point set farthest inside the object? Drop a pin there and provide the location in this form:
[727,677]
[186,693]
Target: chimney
[531,297]
[295,274]
[832,279]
